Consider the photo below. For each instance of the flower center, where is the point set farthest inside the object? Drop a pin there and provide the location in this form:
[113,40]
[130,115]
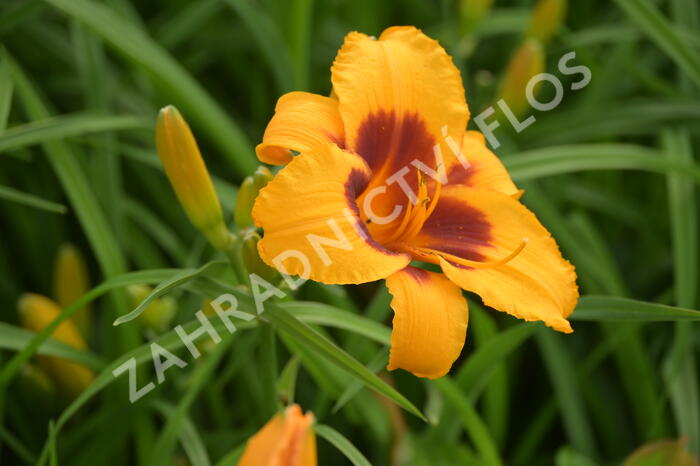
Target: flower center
[416,215]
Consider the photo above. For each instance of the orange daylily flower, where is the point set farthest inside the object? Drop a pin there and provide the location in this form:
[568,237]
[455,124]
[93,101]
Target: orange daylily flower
[387,174]
[288,439]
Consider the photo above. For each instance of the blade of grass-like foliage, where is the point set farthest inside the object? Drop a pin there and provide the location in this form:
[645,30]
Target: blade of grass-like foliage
[343,445]
[74,183]
[622,119]
[684,220]
[479,368]
[22,452]
[679,366]
[66,126]
[232,457]
[473,424]
[156,228]
[187,21]
[105,170]
[588,251]
[197,105]
[303,334]
[15,339]
[6,87]
[663,33]
[141,277]
[170,341]
[180,278]
[378,362]
[165,444]
[309,337]
[299,41]
[615,309]
[561,369]
[287,382]
[270,41]
[323,314]
[268,367]
[557,160]
[31,200]
[496,395]
[92,219]
[227,191]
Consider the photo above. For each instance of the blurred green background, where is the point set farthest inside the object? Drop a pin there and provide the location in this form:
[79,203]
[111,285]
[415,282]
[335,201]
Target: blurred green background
[611,172]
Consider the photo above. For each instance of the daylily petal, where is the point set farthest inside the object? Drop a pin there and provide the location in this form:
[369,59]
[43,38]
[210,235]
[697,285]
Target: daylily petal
[400,96]
[484,226]
[302,122]
[483,168]
[308,210]
[430,322]
[287,439]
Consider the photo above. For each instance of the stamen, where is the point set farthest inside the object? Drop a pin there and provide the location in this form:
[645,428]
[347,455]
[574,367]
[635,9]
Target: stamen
[476,264]
[434,200]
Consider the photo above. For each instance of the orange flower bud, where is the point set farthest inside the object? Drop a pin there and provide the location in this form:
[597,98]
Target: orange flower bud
[70,282]
[527,62]
[189,176]
[287,438]
[546,19]
[36,312]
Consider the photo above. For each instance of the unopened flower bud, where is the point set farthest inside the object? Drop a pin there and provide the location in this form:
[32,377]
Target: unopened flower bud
[547,18]
[159,313]
[527,62]
[251,258]
[249,190]
[36,312]
[189,176]
[70,282]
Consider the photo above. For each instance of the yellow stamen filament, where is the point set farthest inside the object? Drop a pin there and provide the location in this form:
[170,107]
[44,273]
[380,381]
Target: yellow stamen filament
[416,216]
[474,264]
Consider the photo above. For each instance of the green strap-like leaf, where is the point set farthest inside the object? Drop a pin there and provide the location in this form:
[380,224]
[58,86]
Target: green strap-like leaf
[606,308]
[15,339]
[31,200]
[344,445]
[65,126]
[557,160]
[661,31]
[180,278]
[197,105]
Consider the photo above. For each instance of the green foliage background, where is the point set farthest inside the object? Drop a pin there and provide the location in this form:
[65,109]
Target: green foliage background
[611,172]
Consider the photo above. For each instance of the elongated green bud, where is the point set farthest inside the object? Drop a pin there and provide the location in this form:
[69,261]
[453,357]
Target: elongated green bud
[250,188]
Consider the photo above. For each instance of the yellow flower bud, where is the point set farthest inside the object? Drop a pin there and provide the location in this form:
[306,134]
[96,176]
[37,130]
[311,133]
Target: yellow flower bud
[249,190]
[36,312]
[158,314]
[70,282]
[473,12]
[546,19]
[527,62]
[189,176]
[251,258]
